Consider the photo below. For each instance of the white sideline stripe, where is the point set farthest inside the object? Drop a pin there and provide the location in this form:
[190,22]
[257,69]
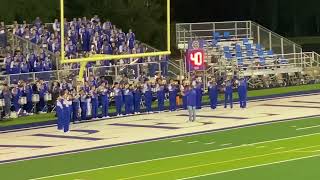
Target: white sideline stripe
[210,143]
[171,157]
[175,141]
[259,147]
[192,142]
[278,148]
[310,127]
[215,163]
[250,167]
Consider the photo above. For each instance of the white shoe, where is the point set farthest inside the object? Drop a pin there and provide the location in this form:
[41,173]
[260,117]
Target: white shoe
[108,117]
[118,115]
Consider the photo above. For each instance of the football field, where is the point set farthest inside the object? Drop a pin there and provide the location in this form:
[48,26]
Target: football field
[284,150]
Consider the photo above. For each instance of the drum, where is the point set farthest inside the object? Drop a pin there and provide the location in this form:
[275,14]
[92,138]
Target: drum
[48,97]
[112,94]
[23,100]
[89,108]
[2,104]
[35,98]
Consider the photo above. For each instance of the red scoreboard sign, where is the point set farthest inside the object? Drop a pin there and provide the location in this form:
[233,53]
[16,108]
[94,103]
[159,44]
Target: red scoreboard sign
[195,59]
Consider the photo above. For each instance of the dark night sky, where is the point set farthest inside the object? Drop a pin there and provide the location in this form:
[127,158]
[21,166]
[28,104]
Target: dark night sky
[288,17]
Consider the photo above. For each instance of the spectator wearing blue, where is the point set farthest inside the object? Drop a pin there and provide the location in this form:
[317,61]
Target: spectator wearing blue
[94,102]
[184,96]
[191,94]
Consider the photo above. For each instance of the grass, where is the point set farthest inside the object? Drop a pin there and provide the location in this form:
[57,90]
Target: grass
[232,149]
[252,93]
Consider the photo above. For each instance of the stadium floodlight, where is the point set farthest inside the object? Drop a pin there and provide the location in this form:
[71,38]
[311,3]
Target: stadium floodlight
[100,57]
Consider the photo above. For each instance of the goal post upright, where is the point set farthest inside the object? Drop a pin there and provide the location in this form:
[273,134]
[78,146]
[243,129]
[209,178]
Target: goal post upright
[100,57]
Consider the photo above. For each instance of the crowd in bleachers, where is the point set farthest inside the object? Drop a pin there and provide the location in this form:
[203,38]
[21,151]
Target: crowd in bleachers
[82,37]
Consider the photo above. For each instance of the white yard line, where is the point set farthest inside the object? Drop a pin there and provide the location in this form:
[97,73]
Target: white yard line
[310,127]
[260,147]
[192,142]
[175,141]
[209,143]
[171,157]
[279,148]
[226,144]
[250,167]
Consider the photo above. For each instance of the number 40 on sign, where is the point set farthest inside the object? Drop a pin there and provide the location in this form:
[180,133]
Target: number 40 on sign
[195,59]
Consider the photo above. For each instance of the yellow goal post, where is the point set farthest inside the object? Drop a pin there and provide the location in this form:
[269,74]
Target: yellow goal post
[100,57]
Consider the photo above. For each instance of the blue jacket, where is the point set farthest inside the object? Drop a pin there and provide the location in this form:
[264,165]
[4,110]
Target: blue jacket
[191,97]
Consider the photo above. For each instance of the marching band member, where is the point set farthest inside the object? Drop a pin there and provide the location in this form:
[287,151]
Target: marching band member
[28,92]
[67,108]
[184,96]
[213,94]
[15,98]
[60,113]
[160,95]
[147,96]
[172,96]
[242,91]
[118,98]
[128,99]
[228,94]
[94,102]
[137,98]
[42,91]
[75,106]
[83,104]
[104,100]
[199,90]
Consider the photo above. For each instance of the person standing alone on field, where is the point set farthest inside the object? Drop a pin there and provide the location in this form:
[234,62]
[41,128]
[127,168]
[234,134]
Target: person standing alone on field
[191,94]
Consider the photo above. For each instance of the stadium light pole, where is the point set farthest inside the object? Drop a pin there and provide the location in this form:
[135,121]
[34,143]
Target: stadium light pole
[101,57]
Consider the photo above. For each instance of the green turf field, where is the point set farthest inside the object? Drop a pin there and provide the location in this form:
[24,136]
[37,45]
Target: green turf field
[284,150]
[253,93]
